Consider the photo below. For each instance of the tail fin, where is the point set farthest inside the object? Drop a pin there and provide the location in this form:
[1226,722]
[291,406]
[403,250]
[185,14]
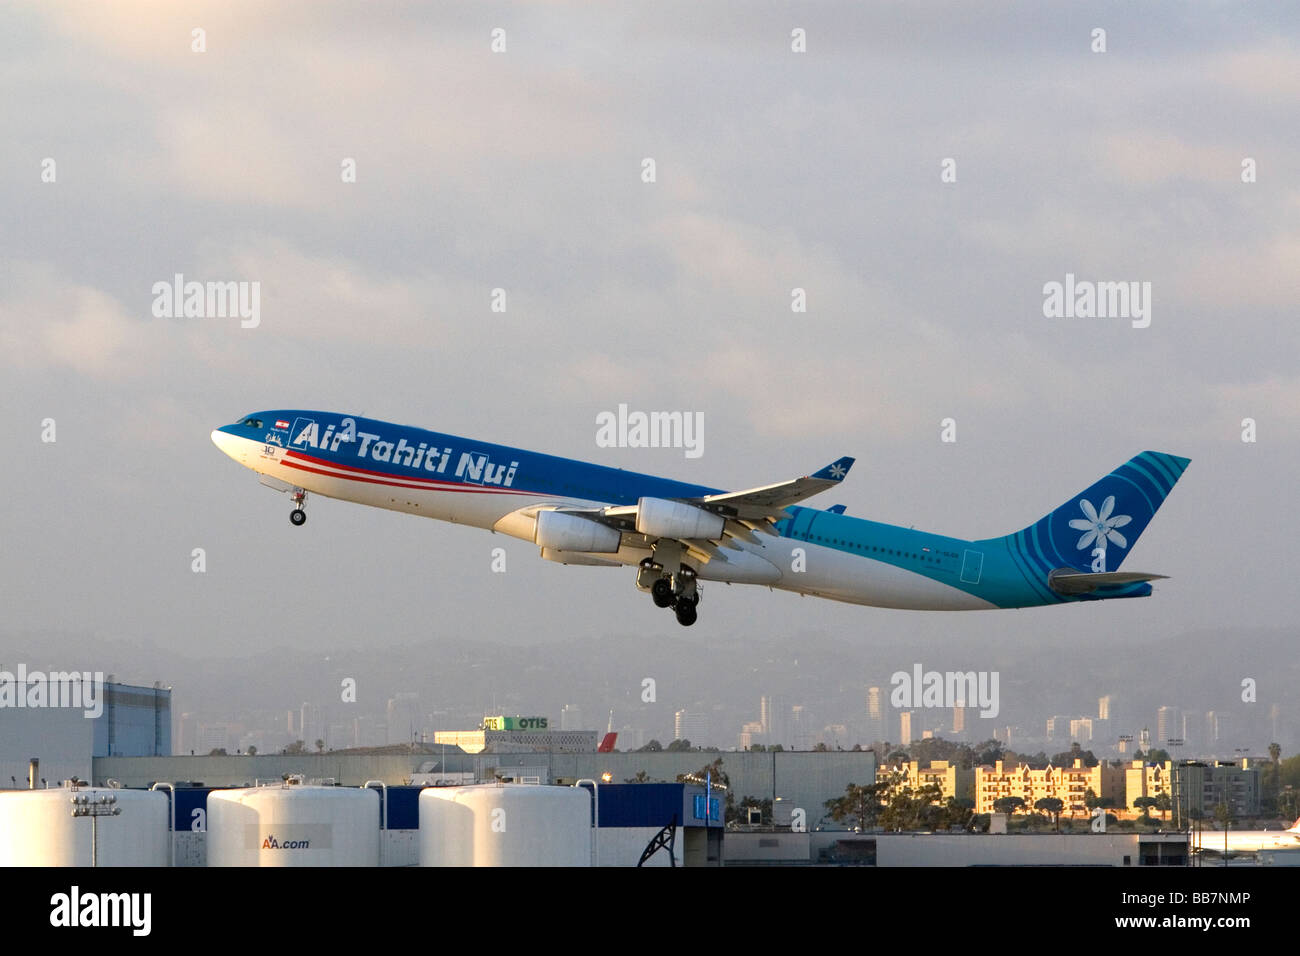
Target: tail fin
[1095,529]
[1294,828]
[607,744]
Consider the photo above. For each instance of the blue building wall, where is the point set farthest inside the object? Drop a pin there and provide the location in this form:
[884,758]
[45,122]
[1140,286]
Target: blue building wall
[136,722]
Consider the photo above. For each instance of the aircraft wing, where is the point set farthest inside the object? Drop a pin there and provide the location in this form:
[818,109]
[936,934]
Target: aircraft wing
[770,501]
[742,512]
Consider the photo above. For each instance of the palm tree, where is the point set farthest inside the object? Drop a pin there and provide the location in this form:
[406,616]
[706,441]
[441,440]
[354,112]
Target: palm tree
[1275,755]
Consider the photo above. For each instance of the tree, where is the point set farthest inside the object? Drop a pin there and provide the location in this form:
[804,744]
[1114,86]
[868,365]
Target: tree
[1054,806]
[677,746]
[653,746]
[987,753]
[297,747]
[740,812]
[859,803]
[1008,805]
[252,750]
[1037,761]
[720,781]
[959,812]
[320,745]
[1288,803]
[1090,799]
[1067,757]
[1145,804]
[1164,803]
[218,752]
[1223,815]
[712,771]
[821,747]
[641,777]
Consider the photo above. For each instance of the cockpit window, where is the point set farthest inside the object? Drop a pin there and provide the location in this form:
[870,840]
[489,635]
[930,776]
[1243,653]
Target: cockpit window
[252,422]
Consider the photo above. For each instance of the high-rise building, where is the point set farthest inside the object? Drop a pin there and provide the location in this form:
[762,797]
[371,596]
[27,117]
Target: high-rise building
[1081,730]
[875,729]
[1058,728]
[765,715]
[959,720]
[571,718]
[801,732]
[213,737]
[1103,708]
[690,725]
[904,728]
[1169,724]
[1220,725]
[187,734]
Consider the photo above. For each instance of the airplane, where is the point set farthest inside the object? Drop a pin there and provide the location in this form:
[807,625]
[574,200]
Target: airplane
[1246,841]
[678,534]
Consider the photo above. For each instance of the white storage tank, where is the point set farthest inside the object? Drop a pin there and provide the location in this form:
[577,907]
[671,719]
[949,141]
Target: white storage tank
[293,825]
[37,827]
[505,825]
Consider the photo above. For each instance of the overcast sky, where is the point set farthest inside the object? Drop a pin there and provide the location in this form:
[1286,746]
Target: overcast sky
[522,170]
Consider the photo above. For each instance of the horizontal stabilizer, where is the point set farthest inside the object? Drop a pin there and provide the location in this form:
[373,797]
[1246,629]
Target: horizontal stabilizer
[1066,581]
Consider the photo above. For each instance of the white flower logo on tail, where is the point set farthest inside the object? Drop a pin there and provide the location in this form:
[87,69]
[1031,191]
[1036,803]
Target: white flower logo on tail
[1099,526]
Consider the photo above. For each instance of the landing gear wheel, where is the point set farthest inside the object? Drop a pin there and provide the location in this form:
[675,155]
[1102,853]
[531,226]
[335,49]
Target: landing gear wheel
[297,517]
[662,593]
[686,613]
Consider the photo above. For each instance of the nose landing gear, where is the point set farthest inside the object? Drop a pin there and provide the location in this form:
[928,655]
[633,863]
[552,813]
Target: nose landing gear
[298,516]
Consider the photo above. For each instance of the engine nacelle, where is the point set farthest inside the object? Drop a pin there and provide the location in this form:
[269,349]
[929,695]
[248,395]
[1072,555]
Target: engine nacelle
[660,518]
[565,532]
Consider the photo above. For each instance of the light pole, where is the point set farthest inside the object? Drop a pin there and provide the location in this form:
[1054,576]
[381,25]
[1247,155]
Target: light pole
[104,805]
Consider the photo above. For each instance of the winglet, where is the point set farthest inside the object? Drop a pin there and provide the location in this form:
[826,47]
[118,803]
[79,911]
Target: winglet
[836,470]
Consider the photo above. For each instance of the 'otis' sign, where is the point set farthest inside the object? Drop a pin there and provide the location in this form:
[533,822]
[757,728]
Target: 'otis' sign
[515,723]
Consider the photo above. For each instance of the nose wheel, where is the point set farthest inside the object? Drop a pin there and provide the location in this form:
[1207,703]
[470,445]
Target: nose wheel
[298,516]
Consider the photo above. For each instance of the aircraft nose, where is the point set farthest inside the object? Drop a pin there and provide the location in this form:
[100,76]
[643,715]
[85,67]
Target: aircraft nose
[228,443]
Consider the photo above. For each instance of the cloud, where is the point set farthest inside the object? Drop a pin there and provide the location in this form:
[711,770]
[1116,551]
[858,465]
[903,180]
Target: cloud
[50,322]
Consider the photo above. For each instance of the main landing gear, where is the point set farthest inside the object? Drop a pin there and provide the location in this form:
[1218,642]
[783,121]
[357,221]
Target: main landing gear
[678,591]
[298,516]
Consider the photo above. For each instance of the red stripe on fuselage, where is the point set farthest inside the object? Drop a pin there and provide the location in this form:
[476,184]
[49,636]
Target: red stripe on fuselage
[425,484]
[365,471]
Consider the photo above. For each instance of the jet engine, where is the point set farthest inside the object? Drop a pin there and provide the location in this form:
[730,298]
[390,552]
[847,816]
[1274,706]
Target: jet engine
[565,532]
[661,518]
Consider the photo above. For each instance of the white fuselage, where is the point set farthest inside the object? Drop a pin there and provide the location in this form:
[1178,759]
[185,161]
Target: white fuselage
[1246,841]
